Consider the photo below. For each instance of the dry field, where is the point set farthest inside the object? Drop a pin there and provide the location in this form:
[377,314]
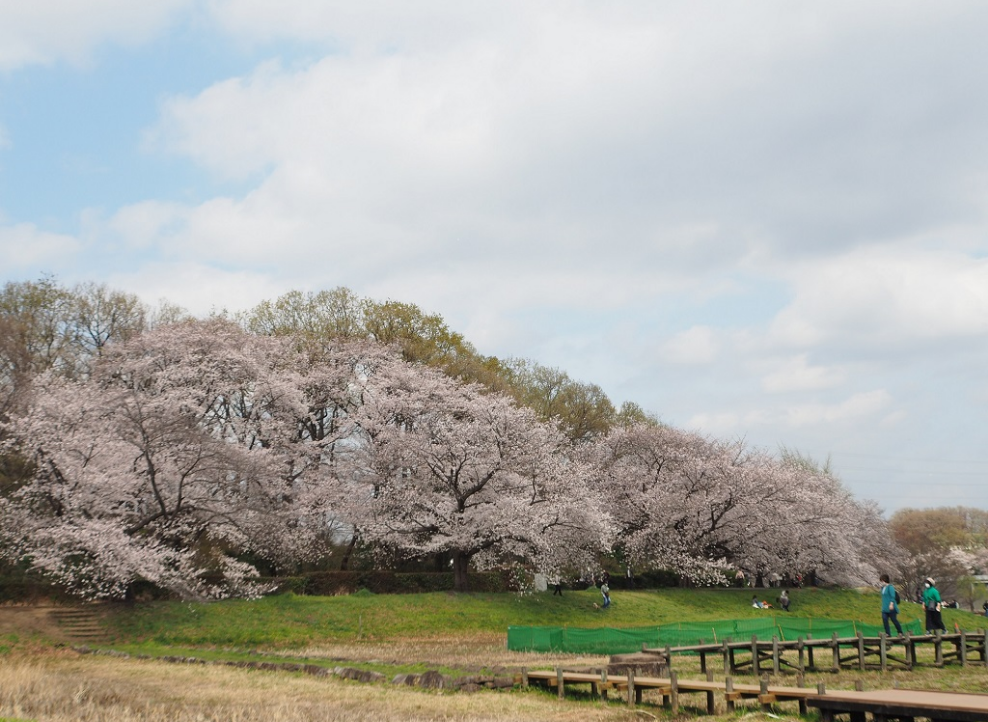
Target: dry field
[46,683]
[61,685]
[66,686]
[57,685]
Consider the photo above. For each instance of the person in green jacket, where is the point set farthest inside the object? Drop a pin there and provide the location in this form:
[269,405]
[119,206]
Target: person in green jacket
[890,606]
[932,604]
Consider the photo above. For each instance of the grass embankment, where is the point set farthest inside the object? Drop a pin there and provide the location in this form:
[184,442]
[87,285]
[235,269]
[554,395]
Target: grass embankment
[293,622]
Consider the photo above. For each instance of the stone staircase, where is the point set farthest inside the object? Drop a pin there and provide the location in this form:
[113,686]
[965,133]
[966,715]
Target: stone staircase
[79,624]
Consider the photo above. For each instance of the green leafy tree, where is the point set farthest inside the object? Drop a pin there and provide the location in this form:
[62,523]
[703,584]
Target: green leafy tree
[582,411]
[631,414]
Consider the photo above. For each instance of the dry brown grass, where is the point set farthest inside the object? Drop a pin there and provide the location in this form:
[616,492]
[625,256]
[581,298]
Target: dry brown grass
[45,684]
[61,687]
[457,652]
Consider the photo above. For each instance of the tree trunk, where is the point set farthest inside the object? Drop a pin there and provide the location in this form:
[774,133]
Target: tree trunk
[345,563]
[461,563]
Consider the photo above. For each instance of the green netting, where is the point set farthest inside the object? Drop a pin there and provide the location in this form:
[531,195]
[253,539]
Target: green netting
[607,640]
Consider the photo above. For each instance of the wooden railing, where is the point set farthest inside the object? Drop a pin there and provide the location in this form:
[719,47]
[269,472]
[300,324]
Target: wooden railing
[858,652]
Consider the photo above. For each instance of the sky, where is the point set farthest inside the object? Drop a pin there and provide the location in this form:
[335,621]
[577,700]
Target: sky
[764,220]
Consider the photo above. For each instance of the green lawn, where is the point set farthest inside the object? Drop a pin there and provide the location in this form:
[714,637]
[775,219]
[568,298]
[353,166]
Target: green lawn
[290,622]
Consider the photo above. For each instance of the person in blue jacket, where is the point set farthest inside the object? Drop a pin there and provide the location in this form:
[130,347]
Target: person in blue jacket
[890,607]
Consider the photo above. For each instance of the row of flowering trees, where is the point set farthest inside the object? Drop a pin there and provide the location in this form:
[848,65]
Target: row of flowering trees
[193,447]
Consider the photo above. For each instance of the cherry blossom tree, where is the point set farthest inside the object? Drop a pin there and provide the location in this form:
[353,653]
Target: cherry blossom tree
[698,506]
[171,459]
[448,468]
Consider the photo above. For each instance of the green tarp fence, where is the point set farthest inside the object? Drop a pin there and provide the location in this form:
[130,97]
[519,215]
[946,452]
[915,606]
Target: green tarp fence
[606,640]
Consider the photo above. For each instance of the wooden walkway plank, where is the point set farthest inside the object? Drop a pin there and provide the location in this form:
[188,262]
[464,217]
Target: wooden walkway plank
[902,703]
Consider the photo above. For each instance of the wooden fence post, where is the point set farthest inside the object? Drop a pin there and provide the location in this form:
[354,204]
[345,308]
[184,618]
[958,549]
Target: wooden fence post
[674,692]
[560,687]
[711,700]
[631,688]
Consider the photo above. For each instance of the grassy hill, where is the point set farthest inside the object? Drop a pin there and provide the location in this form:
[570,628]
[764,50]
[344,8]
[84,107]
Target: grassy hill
[289,621]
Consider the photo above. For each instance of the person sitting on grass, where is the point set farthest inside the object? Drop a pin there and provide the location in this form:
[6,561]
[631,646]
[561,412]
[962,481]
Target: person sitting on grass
[755,603]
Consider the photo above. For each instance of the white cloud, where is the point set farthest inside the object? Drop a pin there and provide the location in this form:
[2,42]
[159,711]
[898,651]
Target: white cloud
[796,374]
[198,288]
[142,225]
[376,25]
[24,246]
[698,345]
[46,31]
[863,405]
[884,295]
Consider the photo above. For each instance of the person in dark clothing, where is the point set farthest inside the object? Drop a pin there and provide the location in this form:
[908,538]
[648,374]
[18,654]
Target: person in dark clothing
[932,604]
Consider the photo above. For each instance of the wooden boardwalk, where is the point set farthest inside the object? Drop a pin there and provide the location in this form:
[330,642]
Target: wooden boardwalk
[882,705]
[631,686]
[902,704]
[835,653]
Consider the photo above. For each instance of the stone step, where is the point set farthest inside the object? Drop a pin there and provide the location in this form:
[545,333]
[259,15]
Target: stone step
[78,623]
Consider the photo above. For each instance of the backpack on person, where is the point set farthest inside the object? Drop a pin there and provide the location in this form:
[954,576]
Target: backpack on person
[897,599]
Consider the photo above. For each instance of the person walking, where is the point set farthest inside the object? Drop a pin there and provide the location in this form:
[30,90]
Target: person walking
[890,606]
[932,604]
[784,601]
[606,592]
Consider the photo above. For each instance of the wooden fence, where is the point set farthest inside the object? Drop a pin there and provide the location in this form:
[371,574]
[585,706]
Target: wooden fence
[833,654]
